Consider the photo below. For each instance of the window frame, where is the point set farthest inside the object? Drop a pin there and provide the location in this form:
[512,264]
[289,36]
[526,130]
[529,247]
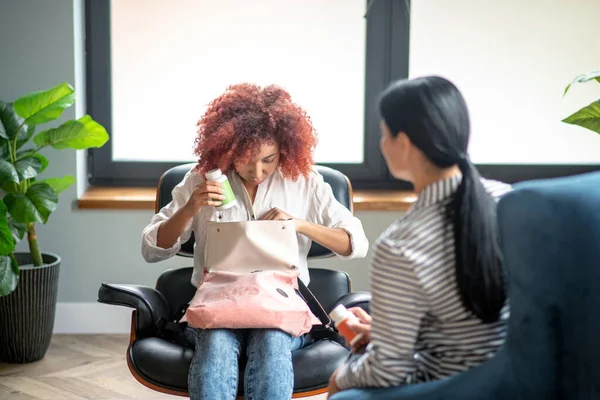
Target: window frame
[387,59]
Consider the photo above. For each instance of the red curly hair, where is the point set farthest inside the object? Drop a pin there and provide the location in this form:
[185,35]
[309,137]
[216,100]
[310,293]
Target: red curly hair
[239,121]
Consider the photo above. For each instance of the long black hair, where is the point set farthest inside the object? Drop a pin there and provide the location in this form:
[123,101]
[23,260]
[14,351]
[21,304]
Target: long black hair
[432,112]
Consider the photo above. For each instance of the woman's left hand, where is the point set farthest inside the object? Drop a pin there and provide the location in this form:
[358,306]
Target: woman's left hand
[335,239]
[275,214]
[332,388]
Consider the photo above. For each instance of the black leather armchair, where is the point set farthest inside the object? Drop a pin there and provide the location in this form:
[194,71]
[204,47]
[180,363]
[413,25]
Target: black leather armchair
[163,366]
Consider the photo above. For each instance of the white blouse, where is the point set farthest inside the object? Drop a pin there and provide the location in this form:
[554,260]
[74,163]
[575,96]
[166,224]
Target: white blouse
[309,199]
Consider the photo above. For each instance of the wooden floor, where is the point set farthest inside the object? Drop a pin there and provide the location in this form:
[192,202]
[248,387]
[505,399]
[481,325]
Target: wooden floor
[78,367]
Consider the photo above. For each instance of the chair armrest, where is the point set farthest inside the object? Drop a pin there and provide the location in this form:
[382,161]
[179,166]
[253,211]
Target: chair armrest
[149,303]
[356,299]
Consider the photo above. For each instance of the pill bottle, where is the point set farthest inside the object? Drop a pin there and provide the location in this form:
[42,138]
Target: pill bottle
[218,176]
[340,316]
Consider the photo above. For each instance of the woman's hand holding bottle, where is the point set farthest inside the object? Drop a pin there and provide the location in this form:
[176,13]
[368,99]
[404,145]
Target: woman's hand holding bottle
[208,193]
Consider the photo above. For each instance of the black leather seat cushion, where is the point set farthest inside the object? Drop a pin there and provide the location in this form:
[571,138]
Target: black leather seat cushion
[167,364]
[161,362]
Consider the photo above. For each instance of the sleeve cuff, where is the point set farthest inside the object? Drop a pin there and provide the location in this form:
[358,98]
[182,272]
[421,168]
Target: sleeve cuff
[359,243]
[343,379]
[150,251]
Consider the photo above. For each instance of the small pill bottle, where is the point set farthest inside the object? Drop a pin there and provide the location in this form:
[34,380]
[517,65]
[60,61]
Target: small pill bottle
[218,176]
[340,316]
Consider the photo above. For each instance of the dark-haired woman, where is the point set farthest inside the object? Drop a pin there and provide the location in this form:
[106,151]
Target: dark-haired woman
[439,300]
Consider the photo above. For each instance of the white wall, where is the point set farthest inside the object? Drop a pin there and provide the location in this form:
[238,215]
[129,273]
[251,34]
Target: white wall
[512,60]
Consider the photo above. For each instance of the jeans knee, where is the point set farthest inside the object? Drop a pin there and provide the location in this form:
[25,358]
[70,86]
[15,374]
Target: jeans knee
[218,342]
[214,368]
[270,342]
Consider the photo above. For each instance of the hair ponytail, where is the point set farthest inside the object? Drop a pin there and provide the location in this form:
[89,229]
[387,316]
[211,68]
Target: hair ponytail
[479,272]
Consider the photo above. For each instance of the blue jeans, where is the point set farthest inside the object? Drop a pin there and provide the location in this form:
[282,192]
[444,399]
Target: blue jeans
[215,367]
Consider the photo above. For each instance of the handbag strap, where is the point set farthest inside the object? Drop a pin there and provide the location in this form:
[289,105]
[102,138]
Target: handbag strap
[314,304]
[173,330]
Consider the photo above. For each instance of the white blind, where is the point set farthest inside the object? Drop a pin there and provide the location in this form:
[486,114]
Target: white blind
[171,58]
[512,60]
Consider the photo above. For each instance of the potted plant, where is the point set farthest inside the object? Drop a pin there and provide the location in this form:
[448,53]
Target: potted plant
[29,281]
[589,116]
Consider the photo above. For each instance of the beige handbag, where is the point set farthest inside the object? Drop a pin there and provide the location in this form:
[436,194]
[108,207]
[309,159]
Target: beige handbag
[244,247]
[251,279]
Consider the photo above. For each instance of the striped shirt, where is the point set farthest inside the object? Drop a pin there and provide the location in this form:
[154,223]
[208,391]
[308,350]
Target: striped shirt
[420,330]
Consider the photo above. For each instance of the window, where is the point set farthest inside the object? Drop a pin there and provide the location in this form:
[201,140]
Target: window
[153,66]
[512,60]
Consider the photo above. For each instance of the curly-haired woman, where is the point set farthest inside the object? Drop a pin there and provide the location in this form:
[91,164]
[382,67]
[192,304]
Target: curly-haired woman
[264,143]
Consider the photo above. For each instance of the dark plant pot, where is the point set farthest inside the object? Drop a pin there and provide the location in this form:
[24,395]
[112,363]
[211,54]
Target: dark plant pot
[27,314]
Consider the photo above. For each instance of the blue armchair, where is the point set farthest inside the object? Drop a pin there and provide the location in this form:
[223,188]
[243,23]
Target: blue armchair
[550,234]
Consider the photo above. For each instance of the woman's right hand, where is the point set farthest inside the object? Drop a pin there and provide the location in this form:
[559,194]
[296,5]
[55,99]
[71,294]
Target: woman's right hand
[205,194]
[363,325]
[208,193]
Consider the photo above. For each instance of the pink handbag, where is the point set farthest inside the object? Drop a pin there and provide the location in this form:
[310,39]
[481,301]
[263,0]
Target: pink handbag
[265,299]
[251,279]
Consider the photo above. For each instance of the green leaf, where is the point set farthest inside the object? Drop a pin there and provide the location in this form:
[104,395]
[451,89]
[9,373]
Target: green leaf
[7,244]
[81,134]
[32,153]
[588,117]
[43,161]
[34,206]
[8,173]
[594,75]
[9,125]
[28,167]
[26,153]
[45,105]
[4,152]
[9,187]
[58,184]
[25,134]
[9,275]
[9,121]
[17,229]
